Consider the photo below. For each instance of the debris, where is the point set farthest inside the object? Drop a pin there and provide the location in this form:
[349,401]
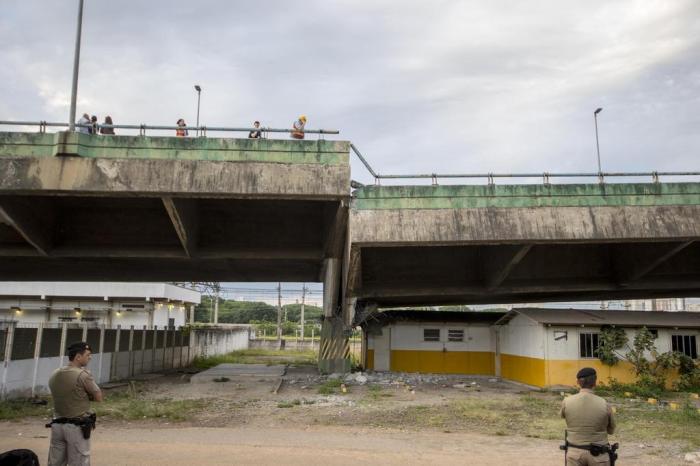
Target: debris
[693,457]
[277,386]
[459,385]
[652,401]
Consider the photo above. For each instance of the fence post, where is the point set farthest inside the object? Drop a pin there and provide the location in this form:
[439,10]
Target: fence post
[165,345]
[8,356]
[64,336]
[143,348]
[131,351]
[115,362]
[172,343]
[102,350]
[155,345]
[37,354]
[85,328]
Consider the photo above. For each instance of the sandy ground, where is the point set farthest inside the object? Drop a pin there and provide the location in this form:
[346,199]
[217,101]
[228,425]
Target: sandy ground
[243,424]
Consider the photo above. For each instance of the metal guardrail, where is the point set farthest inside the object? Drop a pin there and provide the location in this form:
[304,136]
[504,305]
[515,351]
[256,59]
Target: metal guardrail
[202,130]
[491,177]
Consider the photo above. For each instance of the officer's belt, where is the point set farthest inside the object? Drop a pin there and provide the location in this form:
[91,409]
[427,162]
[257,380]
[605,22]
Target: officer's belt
[78,421]
[595,448]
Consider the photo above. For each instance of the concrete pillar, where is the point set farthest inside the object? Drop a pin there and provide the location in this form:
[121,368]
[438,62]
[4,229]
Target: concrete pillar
[102,350]
[8,357]
[191,314]
[64,336]
[37,354]
[334,350]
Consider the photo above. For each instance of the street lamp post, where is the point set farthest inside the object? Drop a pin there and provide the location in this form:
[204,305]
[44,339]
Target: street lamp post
[76,63]
[597,146]
[198,88]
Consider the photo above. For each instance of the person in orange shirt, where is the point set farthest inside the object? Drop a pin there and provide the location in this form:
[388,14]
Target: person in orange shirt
[298,127]
[182,130]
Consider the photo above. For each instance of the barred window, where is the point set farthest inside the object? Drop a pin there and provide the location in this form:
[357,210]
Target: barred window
[589,345]
[431,334]
[455,334]
[685,344]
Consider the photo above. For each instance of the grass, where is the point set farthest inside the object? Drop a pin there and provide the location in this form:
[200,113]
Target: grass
[537,416]
[128,405]
[330,387]
[259,356]
[18,409]
[288,404]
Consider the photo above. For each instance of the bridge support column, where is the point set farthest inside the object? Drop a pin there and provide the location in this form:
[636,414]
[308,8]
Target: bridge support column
[334,351]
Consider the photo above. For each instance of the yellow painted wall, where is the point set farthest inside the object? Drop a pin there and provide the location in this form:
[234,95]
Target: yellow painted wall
[564,372]
[443,362]
[523,369]
[369,364]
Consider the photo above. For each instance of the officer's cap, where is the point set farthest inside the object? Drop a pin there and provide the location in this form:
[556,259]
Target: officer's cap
[585,372]
[79,347]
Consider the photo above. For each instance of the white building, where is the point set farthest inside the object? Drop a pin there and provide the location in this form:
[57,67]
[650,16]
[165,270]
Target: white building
[97,303]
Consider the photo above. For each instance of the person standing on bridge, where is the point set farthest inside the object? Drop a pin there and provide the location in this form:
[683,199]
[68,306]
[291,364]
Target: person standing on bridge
[255,134]
[589,420]
[95,126]
[181,131]
[72,388]
[107,131]
[84,123]
[298,127]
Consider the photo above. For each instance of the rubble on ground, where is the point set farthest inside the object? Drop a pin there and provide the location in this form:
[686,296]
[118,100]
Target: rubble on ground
[462,382]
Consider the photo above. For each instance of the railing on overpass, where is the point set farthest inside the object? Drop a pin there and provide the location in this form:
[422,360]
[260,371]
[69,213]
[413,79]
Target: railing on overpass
[491,177]
[142,128]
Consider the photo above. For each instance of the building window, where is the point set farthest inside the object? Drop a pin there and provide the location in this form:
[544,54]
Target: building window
[685,344]
[431,334]
[589,345]
[454,334]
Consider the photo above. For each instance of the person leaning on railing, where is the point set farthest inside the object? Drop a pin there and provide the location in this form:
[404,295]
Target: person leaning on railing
[107,131]
[298,127]
[181,131]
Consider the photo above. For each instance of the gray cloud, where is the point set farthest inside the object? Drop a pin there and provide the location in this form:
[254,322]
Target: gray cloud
[443,86]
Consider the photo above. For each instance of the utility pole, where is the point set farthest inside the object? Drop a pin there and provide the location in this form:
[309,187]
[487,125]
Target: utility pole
[279,313]
[76,66]
[301,320]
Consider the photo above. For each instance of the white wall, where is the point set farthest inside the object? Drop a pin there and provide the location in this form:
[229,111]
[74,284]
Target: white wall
[522,336]
[409,336]
[568,349]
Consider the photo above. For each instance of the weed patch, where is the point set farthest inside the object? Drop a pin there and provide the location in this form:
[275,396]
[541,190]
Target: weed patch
[259,356]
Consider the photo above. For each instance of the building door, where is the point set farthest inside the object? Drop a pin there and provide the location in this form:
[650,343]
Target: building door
[382,350]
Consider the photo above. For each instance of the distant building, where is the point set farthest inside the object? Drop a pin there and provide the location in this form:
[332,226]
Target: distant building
[95,304]
[539,347]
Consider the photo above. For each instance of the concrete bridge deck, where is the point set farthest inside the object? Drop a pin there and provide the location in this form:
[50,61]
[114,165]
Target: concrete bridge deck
[428,245]
[81,207]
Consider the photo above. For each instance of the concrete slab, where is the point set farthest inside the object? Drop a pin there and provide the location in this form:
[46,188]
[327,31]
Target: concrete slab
[238,370]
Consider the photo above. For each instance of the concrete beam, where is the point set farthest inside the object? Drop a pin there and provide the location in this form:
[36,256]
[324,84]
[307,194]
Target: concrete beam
[184,215]
[436,227]
[633,261]
[192,178]
[157,269]
[32,218]
[335,219]
[500,261]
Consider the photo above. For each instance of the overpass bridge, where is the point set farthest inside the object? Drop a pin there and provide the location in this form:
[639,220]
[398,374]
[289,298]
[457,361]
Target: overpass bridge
[429,245]
[81,207]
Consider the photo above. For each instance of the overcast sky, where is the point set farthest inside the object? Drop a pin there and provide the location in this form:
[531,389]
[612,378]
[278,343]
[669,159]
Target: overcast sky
[441,86]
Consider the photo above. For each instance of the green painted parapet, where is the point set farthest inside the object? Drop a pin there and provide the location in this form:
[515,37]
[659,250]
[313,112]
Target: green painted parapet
[523,196]
[322,152]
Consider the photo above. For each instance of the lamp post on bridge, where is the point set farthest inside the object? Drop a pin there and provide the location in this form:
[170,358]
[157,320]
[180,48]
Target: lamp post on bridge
[597,146]
[198,88]
[76,64]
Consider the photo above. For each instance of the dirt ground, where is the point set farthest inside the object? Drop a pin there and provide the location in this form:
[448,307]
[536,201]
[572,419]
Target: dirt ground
[244,422]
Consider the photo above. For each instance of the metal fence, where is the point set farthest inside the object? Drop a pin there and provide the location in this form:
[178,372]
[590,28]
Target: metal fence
[200,131]
[491,178]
